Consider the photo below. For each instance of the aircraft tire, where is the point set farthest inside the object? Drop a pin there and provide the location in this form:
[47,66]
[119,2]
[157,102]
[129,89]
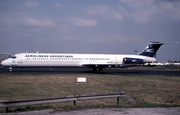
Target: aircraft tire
[94,70]
[100,71]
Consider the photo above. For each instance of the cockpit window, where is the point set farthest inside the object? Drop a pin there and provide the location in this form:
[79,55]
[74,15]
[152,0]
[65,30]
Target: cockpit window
[13,56]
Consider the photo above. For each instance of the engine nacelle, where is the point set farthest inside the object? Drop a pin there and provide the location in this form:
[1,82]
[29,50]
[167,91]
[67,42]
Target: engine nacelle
[133,61]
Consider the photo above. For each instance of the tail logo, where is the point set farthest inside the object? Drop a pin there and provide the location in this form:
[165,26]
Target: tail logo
[149,50]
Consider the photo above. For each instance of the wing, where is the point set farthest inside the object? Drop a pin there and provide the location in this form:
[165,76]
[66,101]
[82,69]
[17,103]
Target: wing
[98,65]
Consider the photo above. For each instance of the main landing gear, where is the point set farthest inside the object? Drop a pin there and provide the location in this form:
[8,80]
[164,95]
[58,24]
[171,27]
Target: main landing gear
[96,70]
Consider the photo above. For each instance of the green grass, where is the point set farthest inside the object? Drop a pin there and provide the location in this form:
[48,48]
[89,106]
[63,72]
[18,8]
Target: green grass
[148,91]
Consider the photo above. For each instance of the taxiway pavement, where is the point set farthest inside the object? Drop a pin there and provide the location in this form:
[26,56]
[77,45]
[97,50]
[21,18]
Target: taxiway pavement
[4,70]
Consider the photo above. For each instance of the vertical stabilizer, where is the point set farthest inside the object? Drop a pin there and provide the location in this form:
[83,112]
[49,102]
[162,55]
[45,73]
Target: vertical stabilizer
[151,49]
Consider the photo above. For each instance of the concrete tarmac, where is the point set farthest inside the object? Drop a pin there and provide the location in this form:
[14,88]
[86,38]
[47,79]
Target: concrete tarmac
[106,111]
[121,111]
[4,70]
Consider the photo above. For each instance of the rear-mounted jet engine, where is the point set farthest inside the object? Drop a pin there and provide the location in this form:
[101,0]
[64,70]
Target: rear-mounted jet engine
[133,61]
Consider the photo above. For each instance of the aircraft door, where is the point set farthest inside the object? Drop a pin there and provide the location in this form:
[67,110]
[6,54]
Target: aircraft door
[116,61]
[20,60]
[14,60]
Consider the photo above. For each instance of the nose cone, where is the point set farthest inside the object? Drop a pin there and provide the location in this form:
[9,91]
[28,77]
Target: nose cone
[5,63]
[2,63]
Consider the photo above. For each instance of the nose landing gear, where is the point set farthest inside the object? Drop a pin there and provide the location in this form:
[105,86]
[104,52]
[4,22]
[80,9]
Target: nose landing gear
[10,69]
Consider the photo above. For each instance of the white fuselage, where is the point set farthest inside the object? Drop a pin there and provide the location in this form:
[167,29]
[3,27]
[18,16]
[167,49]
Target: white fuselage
[69,60]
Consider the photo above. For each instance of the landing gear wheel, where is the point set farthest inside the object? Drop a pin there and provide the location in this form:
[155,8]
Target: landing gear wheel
[100,71]
[94,70]
[10,69]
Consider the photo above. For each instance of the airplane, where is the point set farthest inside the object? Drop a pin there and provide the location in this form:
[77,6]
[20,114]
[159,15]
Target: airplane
[95,61]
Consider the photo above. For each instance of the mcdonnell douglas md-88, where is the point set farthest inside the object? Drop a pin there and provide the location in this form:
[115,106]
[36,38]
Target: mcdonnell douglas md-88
[95,61]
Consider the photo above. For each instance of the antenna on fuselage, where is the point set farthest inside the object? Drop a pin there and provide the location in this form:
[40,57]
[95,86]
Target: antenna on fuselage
[136,51]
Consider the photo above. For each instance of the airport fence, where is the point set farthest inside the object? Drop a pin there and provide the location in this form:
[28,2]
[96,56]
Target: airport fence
[29,102]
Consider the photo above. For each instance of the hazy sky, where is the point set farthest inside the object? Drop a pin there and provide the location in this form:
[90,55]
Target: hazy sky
[90,26]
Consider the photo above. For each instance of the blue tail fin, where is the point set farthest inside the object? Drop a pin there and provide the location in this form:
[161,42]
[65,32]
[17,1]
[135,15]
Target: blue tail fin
[151,49]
